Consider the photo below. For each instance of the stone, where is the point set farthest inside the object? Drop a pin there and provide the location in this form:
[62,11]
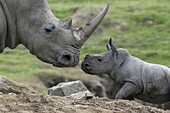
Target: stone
[11,87]
[75,89]
[82,95]
[67,88]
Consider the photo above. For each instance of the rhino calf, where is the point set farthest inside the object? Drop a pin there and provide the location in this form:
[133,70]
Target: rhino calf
[136,78]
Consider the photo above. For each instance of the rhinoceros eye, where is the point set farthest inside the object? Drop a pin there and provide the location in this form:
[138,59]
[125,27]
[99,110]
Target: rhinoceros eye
[99,59]
[49,28]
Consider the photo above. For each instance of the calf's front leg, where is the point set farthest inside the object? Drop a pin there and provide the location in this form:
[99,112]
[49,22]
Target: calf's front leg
[127,91]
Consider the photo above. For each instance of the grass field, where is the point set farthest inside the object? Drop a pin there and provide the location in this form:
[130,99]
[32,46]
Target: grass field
[141,26]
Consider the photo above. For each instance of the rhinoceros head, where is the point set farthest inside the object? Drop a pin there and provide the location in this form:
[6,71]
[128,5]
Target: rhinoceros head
[54,41]
[102,63]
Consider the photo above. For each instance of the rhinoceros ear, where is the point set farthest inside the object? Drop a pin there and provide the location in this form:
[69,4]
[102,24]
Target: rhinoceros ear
[66,23]
[108,46]
[112,46]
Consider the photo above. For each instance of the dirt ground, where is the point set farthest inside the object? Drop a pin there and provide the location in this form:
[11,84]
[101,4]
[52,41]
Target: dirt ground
[34,103]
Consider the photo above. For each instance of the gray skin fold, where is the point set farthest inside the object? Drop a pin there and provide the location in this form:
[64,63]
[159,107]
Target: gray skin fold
[54,41]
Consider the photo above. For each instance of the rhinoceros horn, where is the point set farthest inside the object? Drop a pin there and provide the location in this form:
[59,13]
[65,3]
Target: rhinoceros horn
[83,33]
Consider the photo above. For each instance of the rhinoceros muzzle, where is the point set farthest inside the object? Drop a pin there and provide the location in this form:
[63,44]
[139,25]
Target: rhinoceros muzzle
[86,66]
[66,60]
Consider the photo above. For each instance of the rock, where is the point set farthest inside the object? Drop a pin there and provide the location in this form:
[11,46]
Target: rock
[75,89]
[80,95]
[11,87]
[67,88]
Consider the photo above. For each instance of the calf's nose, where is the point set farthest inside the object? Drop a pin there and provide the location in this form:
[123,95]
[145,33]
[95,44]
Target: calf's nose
[87,65]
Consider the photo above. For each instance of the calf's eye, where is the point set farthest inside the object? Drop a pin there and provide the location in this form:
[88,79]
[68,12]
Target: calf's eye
[99,59]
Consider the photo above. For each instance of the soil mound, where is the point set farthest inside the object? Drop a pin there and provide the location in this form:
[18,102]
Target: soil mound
[31,103]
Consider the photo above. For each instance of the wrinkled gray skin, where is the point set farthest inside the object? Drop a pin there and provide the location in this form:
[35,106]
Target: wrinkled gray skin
[31,23]
[136,78]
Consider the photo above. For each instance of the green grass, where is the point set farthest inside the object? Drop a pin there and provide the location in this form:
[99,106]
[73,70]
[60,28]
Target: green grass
[141,26]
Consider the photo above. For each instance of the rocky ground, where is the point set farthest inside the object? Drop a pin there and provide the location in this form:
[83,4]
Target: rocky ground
[19,98]
[34,103]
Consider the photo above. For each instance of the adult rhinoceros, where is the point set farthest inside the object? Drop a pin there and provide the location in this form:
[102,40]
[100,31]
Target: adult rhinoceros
[31,23]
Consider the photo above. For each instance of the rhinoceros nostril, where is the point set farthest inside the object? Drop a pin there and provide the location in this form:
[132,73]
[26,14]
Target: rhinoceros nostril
[48,30]
[87,65]
[66,57]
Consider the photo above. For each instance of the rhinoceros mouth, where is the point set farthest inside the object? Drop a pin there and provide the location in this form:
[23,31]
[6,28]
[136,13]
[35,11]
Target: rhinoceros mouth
[56,63]
[59,65]
[53,61]
[88,68]
[85,66]
[59,62]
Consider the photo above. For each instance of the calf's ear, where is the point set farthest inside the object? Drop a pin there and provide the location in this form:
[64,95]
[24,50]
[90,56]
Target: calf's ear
[108,46]
[112,47]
